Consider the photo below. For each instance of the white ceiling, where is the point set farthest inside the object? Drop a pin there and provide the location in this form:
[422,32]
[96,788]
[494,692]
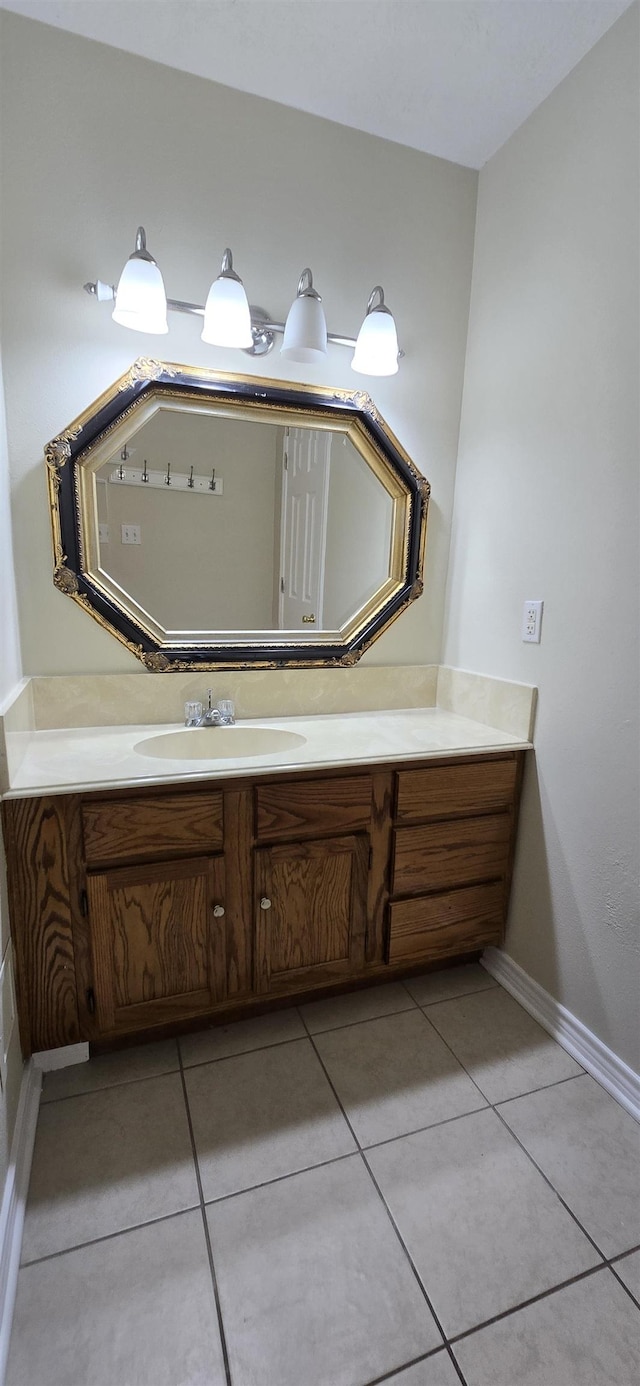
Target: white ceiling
[451,77]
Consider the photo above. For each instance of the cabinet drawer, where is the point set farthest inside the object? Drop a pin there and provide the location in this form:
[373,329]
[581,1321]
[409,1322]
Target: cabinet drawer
[141,829]
[442,926]
[440,791]
[440,855]
[320,807]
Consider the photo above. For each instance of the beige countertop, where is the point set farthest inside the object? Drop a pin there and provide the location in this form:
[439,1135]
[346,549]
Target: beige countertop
[64,760]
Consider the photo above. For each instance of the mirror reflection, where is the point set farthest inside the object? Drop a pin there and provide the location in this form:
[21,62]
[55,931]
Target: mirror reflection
[212,523]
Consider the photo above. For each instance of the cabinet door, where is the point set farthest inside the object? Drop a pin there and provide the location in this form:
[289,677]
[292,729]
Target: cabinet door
[158,947]
[311,912]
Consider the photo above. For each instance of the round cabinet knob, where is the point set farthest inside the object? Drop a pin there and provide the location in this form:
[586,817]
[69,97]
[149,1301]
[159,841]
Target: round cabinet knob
[265,904]
[218,911]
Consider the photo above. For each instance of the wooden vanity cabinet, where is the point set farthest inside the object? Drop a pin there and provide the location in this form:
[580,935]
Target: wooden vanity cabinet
[139,912]
[311,883]
[454,833]
[157,949]
[155,908]
[311,903]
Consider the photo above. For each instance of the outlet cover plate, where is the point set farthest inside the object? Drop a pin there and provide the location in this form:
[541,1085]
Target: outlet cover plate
[532,622]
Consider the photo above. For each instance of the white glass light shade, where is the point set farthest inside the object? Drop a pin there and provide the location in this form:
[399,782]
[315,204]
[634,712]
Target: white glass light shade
[227,319]
[305,331]
[376,350]
[141,301]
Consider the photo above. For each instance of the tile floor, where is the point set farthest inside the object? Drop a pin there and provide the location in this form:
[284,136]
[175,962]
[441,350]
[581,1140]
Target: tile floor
[412,1184]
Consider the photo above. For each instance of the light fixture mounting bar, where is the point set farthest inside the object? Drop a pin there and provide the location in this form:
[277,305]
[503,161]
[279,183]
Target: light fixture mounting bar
[179,305]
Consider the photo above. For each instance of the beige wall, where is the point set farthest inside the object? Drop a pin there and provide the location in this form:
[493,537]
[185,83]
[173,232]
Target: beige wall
[547,507]
[10,673]
[97,141]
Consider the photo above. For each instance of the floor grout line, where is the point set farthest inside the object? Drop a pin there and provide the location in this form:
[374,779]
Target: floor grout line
[238,1054]
[364,1020]
[207,1237]
[296,1039]
[421,1285]
[526,1303]
[412,1267]
[556,1082]
[494,1108]
[109,1236]
[108,1087]
[546,1087]
[418,1130]
[604,1261]
[612,1267]
[458,1061]
[548,1181]
[447,1342]
[276,1044]
[344,1025]
[407,981]
[460,996]
[622,1255]
[396,1371]
[279,1178]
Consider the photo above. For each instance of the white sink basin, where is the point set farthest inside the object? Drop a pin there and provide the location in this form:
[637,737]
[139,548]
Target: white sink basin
[218,743]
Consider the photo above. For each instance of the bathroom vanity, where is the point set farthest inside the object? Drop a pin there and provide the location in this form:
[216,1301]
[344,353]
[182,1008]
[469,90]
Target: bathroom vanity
[159,881]
[147,908]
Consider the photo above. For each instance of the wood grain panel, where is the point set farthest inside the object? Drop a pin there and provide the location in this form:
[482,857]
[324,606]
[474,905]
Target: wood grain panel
[80,922]
[311,896]
[378,884]
[300,809]
[440,791]
[454,853]
[152,827]
[38,880]
[154,939]
[316,921]
[445,925]
[238,855]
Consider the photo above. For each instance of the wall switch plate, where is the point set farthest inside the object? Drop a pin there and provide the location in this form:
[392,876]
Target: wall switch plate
[532,622]
[131,534]
[103,534]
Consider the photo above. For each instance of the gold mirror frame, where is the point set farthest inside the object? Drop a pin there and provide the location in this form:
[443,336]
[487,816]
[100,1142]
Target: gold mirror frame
[75,456]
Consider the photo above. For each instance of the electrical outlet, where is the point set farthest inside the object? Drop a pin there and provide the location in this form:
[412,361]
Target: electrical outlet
[103,534]
[131,534]
[532,621]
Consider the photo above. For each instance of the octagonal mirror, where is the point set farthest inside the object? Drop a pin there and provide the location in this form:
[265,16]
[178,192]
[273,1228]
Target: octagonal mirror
[218,521]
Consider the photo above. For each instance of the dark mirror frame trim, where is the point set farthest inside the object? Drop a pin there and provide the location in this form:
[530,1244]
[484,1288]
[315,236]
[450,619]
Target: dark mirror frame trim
[63,455]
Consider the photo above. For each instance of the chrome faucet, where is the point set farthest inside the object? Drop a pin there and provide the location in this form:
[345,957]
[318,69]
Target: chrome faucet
[223,715]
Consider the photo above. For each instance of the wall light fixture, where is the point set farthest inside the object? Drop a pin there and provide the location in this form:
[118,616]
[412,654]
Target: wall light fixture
[230,320]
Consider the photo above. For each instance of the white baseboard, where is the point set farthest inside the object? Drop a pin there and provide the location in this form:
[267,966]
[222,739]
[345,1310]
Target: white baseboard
[14,1201]
[614,1075]
[49,1059]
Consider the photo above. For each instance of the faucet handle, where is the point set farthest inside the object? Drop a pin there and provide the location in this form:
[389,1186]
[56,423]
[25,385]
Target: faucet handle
[227,711]
[192,714]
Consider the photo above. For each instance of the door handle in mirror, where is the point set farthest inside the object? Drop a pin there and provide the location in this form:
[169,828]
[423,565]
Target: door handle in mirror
[308,620]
